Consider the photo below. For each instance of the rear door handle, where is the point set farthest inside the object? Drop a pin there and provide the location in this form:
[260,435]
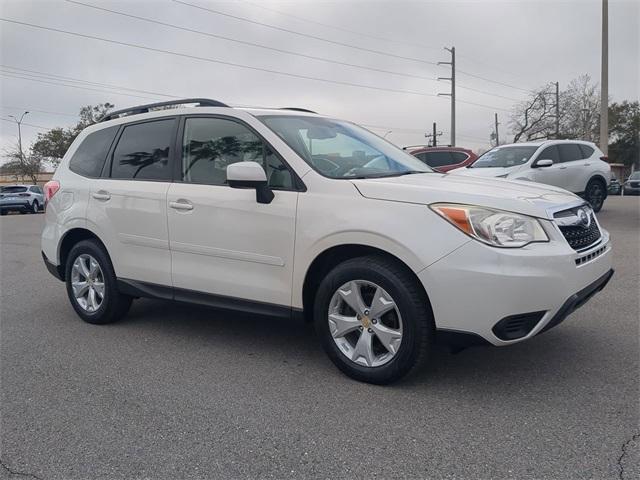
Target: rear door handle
[181,205]
[562,168]
[587,164]
[101,195]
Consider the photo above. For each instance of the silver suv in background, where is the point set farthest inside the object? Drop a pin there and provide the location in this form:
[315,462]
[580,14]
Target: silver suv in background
[574,165]
[21,198]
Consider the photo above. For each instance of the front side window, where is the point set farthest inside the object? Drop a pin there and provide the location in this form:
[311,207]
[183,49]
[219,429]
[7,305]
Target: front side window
[338,149]
[210,145]
[550,153]
[505,157]
[36,190]
[143,151]
[90,156]
[569,152]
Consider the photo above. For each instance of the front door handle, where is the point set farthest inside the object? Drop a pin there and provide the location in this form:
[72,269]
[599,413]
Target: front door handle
[181,205]
[101,195]
[587,164]
[562,168]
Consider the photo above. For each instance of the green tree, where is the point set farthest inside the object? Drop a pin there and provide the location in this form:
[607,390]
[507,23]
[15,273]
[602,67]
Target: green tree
[624,133]
[53,144]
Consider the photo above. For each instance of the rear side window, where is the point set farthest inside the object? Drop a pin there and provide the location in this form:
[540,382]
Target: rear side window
[142,152]
[587,151]
[438,159]
[569,152]
[459,157]
[92,152]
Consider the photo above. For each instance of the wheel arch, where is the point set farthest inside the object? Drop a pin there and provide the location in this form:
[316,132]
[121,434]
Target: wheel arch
[71,238]
[329,258]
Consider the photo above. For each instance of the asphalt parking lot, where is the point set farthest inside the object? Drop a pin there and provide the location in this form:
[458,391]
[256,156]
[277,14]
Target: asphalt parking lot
[176,391]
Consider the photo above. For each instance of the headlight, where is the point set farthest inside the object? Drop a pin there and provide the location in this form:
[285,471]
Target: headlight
[493,227]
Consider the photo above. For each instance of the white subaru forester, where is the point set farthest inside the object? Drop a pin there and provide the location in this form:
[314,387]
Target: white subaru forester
[285,212]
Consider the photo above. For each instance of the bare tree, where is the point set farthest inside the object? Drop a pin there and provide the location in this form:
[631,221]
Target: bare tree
[21,165]
[534,118]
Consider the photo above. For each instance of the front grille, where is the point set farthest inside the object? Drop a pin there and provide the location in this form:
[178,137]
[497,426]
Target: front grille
[591,256]
[579,227]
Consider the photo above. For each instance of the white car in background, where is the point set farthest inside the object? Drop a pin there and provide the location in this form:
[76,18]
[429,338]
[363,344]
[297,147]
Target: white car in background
[577,166]
[21,198]
[289,213]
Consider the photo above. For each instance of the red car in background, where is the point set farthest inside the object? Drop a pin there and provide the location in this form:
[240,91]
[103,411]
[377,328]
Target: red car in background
[443,159]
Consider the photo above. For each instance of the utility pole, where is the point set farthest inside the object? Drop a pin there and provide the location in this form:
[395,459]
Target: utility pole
[496,122]
[604,81]
[452,79]
[19,123]
[433,136]
[557,84]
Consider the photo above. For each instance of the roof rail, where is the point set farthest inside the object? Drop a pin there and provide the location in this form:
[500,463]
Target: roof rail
[415,146]
[298,109]
[202,102]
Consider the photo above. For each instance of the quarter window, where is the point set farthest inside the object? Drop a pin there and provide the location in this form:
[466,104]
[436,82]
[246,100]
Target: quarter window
[143,151]
[90,156]
[212,144]
[587,151]
[569,152]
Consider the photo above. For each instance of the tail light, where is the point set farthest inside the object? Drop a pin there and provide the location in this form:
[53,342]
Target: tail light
[604,158]
[50,189]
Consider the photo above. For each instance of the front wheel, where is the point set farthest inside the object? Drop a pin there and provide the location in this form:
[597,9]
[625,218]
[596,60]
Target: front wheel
[595,194]
[373,319]
[91,284]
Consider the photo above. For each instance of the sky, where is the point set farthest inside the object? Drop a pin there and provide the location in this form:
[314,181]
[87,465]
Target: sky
[371,62]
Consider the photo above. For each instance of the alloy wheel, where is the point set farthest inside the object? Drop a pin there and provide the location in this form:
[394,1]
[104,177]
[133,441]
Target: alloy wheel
[365,323]
[87,282]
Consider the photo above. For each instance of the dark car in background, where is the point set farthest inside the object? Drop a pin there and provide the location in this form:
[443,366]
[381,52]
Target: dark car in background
[615,187]
[632,185]
[443,159]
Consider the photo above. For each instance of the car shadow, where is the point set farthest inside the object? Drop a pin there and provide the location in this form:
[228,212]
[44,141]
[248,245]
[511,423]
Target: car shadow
[543,359]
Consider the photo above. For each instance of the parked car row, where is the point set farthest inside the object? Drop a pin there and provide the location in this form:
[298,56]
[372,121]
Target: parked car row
[21,198]
[577,166]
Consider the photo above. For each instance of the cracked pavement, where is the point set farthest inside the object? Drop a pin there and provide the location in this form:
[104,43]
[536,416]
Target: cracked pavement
[177,391]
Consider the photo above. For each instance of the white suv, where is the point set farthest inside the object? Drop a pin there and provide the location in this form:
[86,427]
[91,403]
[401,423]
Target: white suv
[574,165]
[289,213]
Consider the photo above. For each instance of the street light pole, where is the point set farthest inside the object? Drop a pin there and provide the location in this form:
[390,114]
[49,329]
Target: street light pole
[604,81]
[19,123]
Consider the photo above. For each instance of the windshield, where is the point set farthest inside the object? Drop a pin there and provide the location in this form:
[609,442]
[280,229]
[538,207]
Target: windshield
[338,149]
[13,189]
[635,176]
[504,157]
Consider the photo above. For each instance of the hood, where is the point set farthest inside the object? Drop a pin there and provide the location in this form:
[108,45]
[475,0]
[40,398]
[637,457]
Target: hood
[485,172]
[527,198]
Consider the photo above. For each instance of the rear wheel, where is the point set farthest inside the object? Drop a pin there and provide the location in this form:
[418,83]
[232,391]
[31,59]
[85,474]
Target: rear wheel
[373,320]
[595,194]
[91,284]
[35,208]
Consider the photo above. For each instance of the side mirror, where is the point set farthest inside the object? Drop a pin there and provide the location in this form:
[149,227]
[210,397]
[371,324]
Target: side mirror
[544,163]
[250,175]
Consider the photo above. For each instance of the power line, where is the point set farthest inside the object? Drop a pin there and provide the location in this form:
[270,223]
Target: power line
[33,110]
[288,52]
[342,29]
[212,60]
[421,45]
[27,124]
[473,75]
[251,44]
[56,77]
[275,27]
[4,74]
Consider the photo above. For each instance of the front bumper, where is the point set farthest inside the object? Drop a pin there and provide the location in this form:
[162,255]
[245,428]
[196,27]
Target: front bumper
[475,287]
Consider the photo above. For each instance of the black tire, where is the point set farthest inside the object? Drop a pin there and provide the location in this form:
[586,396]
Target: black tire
[595,194]
[417,319]
[35,207]
[3,212]
[114,304]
